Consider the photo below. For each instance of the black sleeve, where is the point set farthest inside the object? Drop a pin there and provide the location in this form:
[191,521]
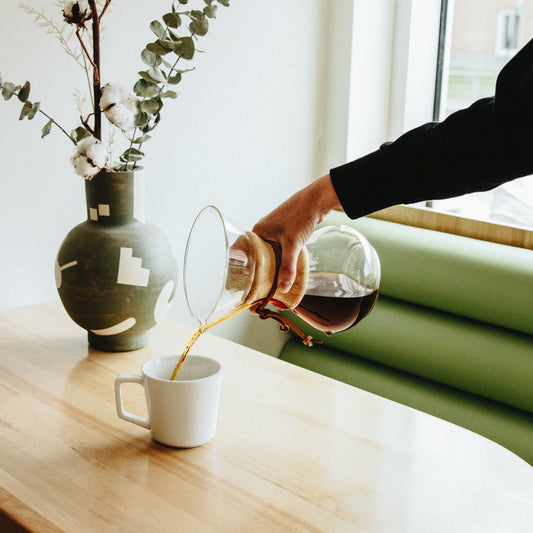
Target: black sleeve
[474,149]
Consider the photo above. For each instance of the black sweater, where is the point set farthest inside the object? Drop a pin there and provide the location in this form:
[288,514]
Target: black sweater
[474,149]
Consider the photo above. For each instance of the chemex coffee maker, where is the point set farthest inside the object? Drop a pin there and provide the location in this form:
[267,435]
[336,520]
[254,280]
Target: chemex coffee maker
[337,282]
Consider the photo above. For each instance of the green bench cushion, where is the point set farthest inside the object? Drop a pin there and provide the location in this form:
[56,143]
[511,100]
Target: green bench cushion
[480,358]
[510,427]
[451,333]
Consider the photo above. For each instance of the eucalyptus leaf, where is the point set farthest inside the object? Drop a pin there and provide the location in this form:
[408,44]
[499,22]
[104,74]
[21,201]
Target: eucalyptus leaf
[172,20]
[167,44]
[150,58]
[33,111]
[146,76]
[199,26]
[140,140]
[150,126]
[173,36]
[152,106]
[46,128]
[131,154]
[196,14]
[224,2]
[157,49]
[146,89]
[26,108]
[8,90]
[174,80]
[156,74]
[80,133]
[169,94]
[24,93]
[183,1]
[185,48]
[158,29]
[141,119]
[210,11]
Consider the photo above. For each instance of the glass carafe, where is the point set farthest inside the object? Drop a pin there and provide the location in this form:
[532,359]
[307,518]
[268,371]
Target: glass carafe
[342,280]
[226,269]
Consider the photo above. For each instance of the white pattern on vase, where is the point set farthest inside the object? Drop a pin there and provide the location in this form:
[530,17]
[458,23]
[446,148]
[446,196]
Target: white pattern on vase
[121,327]
[130,271]
[59,269]
[164,301]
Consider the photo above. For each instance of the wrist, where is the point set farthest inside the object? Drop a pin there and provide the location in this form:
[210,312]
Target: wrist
[324,195]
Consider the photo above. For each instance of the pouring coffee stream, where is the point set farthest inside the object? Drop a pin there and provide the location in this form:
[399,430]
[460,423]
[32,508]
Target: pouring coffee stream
[202,329]
[336,286]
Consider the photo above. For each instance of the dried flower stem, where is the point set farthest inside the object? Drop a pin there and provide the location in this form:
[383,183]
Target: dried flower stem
[84,48]
[105,8]
[45,21]
[97,91]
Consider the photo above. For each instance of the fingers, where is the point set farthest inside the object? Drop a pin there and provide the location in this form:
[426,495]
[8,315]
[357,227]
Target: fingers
[290,249]
[288,267]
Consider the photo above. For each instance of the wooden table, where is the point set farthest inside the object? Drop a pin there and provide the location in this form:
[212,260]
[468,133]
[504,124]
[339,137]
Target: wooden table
[294,451]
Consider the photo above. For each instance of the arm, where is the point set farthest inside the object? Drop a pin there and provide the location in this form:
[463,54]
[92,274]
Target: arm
[474,149]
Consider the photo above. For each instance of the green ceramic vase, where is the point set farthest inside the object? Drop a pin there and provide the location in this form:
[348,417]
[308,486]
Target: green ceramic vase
[116,274]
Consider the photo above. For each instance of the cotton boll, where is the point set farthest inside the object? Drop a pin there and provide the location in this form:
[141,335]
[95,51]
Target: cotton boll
[119,106]
[89,157]
[76,11]
[83,168]
[96,152]
[121,116]
[111,95]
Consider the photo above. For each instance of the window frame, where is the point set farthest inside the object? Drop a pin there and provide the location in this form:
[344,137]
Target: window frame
[427,218]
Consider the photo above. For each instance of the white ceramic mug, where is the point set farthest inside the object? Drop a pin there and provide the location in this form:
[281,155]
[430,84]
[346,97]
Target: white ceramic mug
[181,413]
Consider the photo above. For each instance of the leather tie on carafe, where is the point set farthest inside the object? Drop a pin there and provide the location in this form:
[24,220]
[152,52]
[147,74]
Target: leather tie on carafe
[260,310]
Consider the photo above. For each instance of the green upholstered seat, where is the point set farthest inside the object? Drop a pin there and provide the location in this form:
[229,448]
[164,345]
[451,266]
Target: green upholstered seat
[509,427]
[451,333]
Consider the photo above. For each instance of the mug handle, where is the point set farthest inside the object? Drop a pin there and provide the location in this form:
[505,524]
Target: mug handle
[122,413]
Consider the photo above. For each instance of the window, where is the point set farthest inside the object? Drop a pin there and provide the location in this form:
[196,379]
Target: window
[465,43]
[484,35]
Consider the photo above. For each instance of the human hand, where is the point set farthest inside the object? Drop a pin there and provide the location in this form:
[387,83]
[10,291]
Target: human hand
[293,222]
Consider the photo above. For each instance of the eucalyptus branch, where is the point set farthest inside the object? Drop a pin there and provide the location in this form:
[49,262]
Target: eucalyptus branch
[53,121]
[163,87]
[30,109]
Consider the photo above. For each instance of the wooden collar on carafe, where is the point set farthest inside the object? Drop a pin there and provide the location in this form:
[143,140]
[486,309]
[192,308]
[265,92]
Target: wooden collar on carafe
[267,257]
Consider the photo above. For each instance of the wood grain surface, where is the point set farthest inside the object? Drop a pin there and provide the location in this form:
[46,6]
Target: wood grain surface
[294,451]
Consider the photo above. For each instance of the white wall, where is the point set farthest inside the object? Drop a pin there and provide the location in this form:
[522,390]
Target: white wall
[245,132]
